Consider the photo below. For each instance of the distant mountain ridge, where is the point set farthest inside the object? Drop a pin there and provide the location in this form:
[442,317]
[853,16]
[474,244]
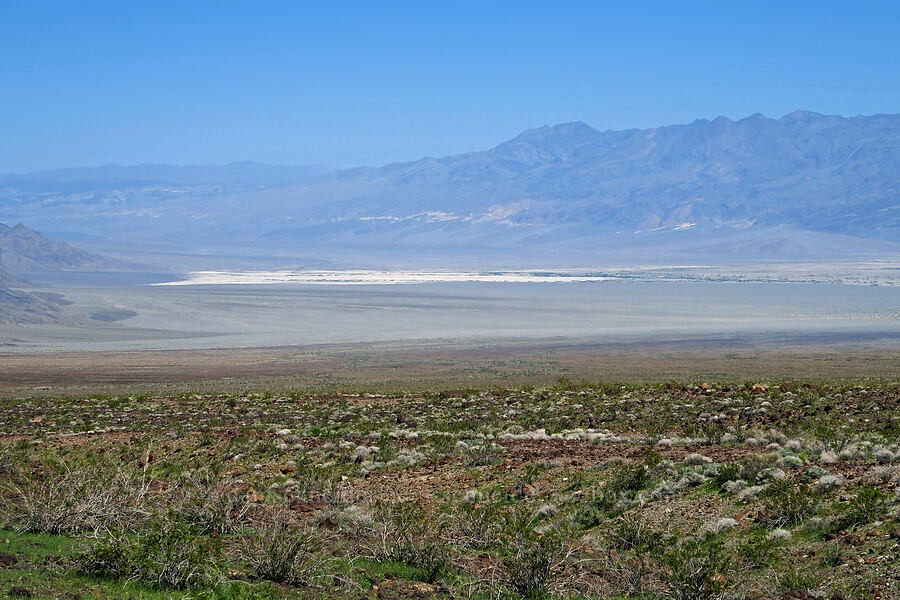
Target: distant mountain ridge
[802,185]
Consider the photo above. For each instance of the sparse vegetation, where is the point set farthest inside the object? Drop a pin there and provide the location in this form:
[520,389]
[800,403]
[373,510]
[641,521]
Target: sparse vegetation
[572,491]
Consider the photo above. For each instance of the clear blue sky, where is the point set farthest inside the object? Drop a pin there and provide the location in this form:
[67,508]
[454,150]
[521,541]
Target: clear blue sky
[347,83]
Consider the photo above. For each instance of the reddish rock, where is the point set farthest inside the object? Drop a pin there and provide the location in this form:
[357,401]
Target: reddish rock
[310,506]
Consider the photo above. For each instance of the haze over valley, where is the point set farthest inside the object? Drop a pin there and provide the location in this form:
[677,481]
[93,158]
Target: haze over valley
[626,232]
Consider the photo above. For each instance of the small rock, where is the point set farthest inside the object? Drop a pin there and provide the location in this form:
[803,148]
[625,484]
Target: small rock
[17,591]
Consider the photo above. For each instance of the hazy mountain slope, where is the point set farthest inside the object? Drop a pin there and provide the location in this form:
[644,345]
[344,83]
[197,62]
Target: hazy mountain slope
[802,185]
[22,249]
[22,308]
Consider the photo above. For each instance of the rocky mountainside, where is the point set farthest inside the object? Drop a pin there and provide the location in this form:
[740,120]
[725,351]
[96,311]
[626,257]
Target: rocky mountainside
[804,185]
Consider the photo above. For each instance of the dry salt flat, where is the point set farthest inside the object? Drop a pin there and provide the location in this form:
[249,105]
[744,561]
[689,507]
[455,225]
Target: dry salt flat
[365,277]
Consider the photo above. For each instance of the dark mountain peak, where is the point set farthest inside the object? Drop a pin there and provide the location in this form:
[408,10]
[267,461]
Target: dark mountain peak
[571,130]
[754,118]
[547,143]
[22,230]
[802,115]
[22,249]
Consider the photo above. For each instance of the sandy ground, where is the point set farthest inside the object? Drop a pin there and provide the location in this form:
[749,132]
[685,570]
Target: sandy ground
[230,338]
[419,365]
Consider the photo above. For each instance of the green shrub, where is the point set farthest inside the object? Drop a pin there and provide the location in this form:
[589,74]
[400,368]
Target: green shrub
[787,503]
[168,554]
[387,450]
[758,552]
[529,567]
[476,526]
[795,579]
[695,570]
[403,534]
[284,554]
[635,477]
[753,465]
[727,472]
[868,505]
[632,533]
[588,515]
[202,501]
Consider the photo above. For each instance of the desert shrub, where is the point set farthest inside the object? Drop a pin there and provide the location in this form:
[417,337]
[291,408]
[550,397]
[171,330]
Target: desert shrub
[734,486]
[315,483]
[284,554]
[484,454]
[757,553]
[795,579]
[828,482]
[833,437]
[168,554]
[588,515]
[727,472]
[529,566]
[633,533]
[77,501]
[751,466]
[475,526]
[695,569]
[633,575]
[779,535]
[401,533]
[387,450]
[787,503]
[212,507]
[814,472]
[868,505]
[634,477]
[830,555]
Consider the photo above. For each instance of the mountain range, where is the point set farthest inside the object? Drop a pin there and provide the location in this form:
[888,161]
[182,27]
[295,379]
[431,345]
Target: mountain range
[803,186]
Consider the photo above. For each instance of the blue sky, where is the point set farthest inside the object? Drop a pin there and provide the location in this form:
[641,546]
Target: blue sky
[349,83]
